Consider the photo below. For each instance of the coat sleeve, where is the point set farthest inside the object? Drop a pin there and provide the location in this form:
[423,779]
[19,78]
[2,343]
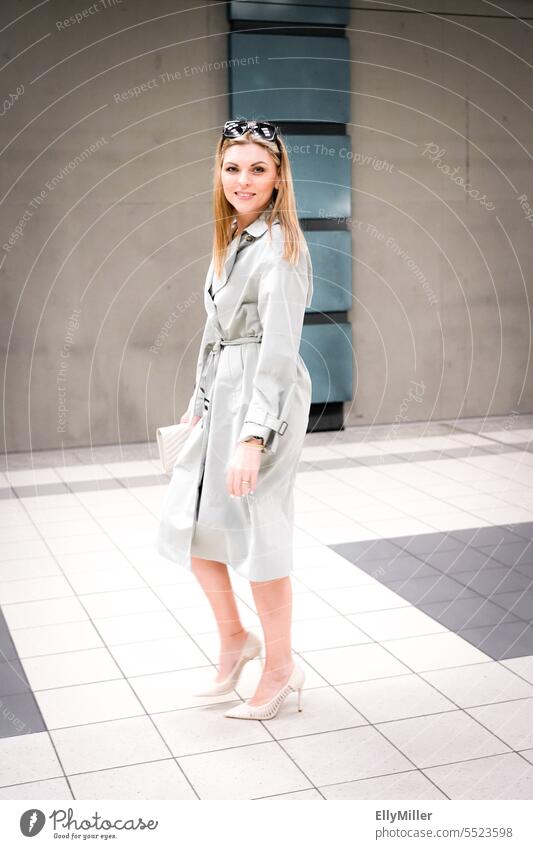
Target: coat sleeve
[284,292]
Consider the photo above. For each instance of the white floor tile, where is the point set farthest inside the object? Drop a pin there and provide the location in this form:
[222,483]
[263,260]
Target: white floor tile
[48,639]
[103,745]
[155,780]
[404,785]
[244,772]
[194,731]
[34,589]
[397,623]
[53,788]
[354,663]
[435,651]
[87,703]
[442,738]
[119,630]
[69,668]
[479,684]
[345,755]
[387,699]
[164,655]
[54,611]
[505,776]
[27,757]
[511,721]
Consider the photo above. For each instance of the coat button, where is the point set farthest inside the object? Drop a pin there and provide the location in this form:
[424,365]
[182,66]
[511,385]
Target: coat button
[249,238]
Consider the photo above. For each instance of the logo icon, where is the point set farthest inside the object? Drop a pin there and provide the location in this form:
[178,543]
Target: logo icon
[32,822]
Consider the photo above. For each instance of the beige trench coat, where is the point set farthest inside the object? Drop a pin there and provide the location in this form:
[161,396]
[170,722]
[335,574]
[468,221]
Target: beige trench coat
[250,381]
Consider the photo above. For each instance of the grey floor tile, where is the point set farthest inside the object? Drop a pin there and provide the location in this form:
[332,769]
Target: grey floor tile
[518,603]
[461,560]
[474,612]
[12,678]
[7,648]
[372,549]
[400,569]
[426,590]
[490,535]
[20,715]
[500,642]
[427,543]
[524,529]
[511,553]
[492,581]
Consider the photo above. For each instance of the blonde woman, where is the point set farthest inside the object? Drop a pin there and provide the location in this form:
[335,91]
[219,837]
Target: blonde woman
[230,498]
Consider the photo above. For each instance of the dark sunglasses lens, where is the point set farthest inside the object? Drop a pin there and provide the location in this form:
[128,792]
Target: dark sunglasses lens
[267,131]
[232,129]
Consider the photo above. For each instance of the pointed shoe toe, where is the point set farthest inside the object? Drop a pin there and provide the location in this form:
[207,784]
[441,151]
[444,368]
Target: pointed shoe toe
[245,710]
[251,648]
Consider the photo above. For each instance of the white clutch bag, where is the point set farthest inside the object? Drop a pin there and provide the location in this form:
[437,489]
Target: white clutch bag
[170,440]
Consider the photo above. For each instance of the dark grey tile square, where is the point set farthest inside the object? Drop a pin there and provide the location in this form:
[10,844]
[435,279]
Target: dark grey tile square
[398,568]
[473,612]
[419,456]
[32,490]
[94,485]
[20,715]
[424,543]
[7,648]
[525,569]
[511,553]
[371,549]
[6,492]
[459,560]
[426,590]
[491,581]
[481,536]
[523,529]
[12,678]
[378,460]
[518,603]
[501,642]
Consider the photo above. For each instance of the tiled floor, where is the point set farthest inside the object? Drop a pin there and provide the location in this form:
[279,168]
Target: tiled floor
[413,608]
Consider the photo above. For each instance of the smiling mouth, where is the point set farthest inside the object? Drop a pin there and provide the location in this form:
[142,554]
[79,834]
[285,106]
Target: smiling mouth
[245,195]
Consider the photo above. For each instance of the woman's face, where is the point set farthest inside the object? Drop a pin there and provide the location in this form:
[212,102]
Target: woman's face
[248,177]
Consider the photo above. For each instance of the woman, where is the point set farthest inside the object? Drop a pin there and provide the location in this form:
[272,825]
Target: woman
[252,404]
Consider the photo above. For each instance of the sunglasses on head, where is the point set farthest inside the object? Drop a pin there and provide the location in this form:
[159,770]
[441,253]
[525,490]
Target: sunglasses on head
[261,129]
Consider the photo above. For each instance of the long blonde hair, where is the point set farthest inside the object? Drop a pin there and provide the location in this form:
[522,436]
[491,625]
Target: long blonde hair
[282,203]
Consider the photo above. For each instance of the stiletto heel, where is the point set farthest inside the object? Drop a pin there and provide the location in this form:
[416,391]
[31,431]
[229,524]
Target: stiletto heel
[251,648]
[270,709]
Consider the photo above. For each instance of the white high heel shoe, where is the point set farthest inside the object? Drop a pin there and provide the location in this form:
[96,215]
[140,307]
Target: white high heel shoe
[270,709]
[250,649]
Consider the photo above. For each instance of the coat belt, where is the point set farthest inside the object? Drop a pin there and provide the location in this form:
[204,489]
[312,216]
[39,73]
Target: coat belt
[209,369]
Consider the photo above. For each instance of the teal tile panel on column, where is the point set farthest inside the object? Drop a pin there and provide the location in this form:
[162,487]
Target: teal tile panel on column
[326,350]
[332,270]
[322,174]
[293,11]
[289,77]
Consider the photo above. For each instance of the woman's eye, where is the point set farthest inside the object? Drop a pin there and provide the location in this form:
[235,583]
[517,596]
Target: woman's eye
[258,168]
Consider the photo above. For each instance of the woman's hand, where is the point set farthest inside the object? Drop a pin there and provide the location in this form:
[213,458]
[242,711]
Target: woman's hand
[185,418]
[241,477]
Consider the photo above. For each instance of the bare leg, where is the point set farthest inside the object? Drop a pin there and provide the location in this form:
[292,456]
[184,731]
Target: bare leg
[214,579]
[273,600]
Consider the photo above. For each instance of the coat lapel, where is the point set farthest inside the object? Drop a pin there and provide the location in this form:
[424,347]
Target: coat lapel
[255,229]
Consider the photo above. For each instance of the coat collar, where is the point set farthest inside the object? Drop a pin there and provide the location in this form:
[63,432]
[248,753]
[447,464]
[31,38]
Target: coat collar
[256,229]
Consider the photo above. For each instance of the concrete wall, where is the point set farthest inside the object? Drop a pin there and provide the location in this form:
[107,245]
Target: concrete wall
[102,307]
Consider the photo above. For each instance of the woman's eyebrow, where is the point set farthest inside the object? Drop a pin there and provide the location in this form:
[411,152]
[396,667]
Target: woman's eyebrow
[261,162]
